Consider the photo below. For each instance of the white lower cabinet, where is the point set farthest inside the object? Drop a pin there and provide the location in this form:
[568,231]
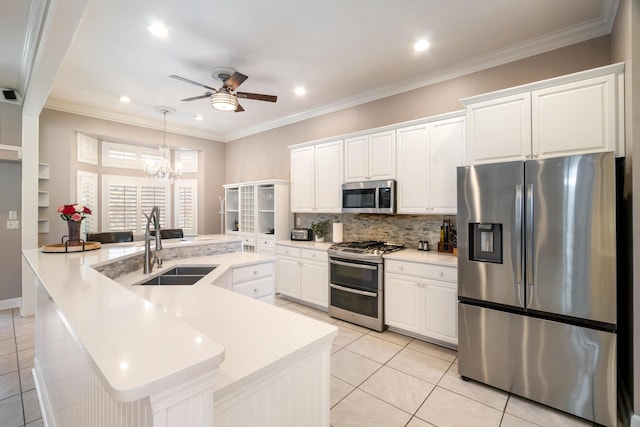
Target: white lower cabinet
[422,299]
[303,274]
[254,280]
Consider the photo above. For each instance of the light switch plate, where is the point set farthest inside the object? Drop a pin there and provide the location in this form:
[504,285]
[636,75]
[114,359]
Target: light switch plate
[13,224]
[13,214]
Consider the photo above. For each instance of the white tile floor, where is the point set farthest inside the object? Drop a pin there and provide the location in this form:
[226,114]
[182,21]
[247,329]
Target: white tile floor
[18,403]
[387,379]
[377,379]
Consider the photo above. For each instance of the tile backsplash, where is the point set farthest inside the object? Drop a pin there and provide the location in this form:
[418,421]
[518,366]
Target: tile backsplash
[405,229]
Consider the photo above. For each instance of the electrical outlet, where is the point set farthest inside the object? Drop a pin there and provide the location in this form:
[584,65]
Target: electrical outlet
[298,222]
[13,224]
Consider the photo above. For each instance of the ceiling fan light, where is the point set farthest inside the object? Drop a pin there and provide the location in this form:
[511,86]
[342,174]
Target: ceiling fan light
[224,101]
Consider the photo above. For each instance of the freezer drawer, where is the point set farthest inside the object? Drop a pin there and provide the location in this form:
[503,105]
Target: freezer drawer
[567,367]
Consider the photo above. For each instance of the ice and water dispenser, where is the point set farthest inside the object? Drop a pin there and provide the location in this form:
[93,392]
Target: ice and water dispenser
[485,243]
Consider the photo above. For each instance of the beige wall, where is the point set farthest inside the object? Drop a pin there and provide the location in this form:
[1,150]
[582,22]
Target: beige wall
[265,155]
[58,148]
[10,199]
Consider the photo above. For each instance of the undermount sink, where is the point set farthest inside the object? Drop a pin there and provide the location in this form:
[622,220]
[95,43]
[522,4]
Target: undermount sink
[179,275]
[182,270]
[172,280]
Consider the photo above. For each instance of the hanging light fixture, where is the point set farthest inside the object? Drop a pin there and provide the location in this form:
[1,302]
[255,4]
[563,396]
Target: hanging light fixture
[162,170]
[224,101]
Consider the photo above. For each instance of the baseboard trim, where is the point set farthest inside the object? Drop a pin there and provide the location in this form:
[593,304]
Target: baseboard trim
[10,303]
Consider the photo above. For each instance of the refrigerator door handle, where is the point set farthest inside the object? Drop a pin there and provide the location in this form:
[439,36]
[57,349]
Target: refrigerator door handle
[518,223]
[529,239]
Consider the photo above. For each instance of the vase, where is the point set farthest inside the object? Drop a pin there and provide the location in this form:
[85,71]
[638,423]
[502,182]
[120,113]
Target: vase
[319,238]
[74,233]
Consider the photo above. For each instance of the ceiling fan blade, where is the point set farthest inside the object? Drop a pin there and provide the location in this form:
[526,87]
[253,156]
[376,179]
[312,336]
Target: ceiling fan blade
[182,79]
[239,109]
[193,98]
[257,96]
[235,80]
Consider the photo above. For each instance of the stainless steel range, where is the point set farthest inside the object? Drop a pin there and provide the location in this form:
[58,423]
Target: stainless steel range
[356,282]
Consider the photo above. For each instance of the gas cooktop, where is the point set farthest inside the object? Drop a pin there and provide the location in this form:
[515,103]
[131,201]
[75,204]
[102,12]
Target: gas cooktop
[372,248]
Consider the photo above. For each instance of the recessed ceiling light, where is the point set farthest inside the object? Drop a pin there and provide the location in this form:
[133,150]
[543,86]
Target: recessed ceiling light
[300,91]
[198,117]
[421,45]
[158,29]
[124,99]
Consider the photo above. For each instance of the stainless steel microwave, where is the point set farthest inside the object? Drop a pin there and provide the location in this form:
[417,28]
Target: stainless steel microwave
[378,197]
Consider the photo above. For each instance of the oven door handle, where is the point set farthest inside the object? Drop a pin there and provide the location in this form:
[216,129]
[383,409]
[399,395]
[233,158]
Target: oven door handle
[353,291]
[353,265]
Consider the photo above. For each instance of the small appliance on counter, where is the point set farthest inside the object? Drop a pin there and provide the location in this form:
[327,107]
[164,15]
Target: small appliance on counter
[303,234]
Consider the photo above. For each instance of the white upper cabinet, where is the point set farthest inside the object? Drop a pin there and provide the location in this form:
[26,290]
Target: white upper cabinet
[370,157]
[428,155]
[303,179]
[574,114]
[578,117]
[499,129]
[316,177]
[447,153]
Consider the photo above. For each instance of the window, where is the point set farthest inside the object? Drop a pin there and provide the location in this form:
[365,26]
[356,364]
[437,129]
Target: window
[87,195]
[188,160]
[185,205]
[127,156]
[87,149]
[125,200]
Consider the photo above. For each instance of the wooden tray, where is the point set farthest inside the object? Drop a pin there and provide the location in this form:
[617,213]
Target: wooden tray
[62,248]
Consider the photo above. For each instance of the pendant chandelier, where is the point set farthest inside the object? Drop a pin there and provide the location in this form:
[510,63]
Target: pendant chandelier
[161,169]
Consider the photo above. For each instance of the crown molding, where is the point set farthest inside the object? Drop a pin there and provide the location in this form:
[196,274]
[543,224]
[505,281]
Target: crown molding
[96,113]
[556,40]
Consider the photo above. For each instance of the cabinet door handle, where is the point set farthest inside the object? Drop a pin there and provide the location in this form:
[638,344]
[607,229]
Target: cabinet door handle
[535,155]
[440,273]
[255,272]
[255,291]
[401,268]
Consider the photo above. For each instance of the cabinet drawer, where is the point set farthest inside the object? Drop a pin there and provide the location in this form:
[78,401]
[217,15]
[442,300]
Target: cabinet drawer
[252,272]
[429,271]
[256,288]
[288,251]
[313,255]
[266,243]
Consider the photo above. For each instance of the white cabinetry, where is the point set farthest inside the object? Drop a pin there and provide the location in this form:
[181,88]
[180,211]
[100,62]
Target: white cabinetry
[370,157]
[258,212]
[573,114]
[303,274]
[316,177]
[255,281]
[422,299]
[428,154]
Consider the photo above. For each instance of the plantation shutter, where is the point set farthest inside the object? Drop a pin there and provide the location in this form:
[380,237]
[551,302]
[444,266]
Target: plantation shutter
[122,212]
[125,199]
[87,188]
[185,206]
[150,196]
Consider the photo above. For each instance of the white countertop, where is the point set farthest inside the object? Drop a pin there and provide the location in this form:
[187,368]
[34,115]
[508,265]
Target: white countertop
[165,333]
[429,257]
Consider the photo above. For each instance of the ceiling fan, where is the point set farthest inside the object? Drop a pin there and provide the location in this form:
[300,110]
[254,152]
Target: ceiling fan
[226,98]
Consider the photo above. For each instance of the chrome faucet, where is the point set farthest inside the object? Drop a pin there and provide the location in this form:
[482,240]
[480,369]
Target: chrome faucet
[149,257]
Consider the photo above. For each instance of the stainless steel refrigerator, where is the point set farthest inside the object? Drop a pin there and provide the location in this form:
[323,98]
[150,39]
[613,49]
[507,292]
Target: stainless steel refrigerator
[537,281]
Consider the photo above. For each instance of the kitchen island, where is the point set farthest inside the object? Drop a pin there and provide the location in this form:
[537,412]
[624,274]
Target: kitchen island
[108,351]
